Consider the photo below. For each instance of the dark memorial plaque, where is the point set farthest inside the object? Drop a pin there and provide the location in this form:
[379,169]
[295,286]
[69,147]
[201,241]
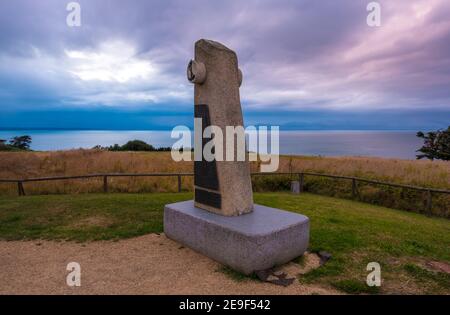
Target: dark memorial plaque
[208,198]
[205,172]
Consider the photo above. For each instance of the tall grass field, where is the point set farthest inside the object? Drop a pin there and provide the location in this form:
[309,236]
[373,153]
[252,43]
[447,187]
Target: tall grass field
[430,174]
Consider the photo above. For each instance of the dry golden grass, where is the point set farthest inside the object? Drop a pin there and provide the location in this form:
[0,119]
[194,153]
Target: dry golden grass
[83,162]
[15,165]
[434,174]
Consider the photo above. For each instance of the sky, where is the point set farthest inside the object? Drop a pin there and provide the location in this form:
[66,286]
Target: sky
[307,64]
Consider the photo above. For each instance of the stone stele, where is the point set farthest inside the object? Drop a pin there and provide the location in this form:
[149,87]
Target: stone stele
[222,222]
[223,187]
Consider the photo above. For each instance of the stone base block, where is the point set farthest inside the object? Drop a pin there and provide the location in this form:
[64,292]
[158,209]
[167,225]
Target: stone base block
[255,241]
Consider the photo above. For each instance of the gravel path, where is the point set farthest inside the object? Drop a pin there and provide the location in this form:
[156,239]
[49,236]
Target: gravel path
[150,264]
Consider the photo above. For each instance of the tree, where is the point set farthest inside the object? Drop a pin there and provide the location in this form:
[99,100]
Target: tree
[436,145]
[115,147]
[134,145]
[3,145]
[22,142]
[137,145]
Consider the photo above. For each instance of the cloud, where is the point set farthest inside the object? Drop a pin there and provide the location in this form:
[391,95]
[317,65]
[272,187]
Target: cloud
[295,55]
[112,74]
[398,65]
[114,61]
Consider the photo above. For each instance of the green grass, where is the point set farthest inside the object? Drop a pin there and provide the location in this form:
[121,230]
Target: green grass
[353,286]
[432,278]
[354,233]
[83,217]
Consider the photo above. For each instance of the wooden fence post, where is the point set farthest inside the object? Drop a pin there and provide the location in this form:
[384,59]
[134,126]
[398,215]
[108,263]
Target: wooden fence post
[427,207]
[105,184]
[179,183]
[20,189]
[301,181]
[429,204]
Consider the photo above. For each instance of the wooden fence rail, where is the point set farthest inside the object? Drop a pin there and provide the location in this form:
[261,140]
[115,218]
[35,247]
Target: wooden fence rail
[299,175]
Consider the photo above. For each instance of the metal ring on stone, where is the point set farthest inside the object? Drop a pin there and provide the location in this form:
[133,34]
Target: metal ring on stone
[196,72]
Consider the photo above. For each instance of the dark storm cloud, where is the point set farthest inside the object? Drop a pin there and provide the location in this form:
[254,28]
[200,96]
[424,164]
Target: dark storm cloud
[295,55]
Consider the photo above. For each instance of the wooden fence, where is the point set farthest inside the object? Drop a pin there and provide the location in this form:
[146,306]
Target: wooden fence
[299,175]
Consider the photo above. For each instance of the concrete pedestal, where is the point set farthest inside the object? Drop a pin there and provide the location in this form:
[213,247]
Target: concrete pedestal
[255,241]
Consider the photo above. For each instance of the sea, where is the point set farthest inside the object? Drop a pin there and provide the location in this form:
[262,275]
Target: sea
[385,143]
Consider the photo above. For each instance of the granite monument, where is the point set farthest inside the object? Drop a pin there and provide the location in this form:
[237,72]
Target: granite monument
[222,222]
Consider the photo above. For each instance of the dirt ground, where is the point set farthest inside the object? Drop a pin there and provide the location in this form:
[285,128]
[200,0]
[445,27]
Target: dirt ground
[151,264]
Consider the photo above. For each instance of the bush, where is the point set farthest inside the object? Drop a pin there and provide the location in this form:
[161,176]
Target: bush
[271,183]
[134,145]
[21,143]
[137,145]
[386,196]
[436,145]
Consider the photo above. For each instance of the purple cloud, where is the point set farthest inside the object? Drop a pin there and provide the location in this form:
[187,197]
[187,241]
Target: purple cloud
[296,55]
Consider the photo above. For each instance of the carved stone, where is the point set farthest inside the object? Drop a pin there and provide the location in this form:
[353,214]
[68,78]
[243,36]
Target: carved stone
[222,187]
[233,231]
